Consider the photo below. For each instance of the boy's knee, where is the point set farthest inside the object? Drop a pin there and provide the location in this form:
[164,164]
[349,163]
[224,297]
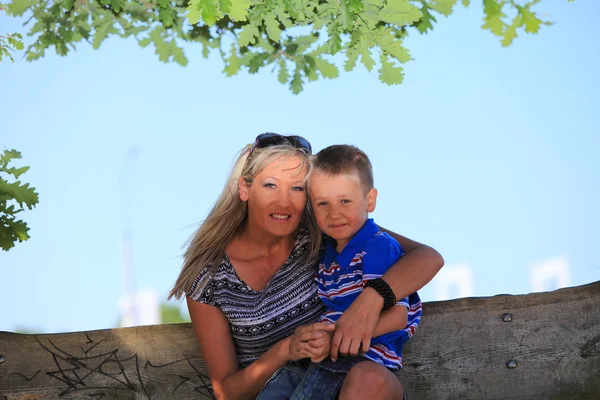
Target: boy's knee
[370,380]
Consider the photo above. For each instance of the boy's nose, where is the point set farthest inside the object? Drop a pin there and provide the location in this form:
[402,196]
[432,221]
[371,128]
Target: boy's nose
[335,213]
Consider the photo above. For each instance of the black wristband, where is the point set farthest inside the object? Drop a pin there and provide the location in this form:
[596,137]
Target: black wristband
[384,290]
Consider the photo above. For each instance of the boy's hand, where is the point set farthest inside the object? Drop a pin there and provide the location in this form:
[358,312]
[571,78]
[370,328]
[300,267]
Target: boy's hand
[308,341]
[321,347]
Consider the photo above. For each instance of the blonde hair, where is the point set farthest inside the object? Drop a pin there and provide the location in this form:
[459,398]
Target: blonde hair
[228,217]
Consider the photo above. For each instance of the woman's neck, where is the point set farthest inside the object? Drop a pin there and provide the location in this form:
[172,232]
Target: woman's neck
[260,244]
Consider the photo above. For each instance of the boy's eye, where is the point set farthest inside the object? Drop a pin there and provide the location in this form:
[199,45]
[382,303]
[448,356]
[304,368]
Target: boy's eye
[344,201]
[322,203]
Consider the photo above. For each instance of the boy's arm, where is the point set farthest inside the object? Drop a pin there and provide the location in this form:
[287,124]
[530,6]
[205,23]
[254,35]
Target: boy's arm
[391,320]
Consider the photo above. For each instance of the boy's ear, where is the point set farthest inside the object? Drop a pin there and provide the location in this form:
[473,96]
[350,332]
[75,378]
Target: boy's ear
[371,200]
[243,189]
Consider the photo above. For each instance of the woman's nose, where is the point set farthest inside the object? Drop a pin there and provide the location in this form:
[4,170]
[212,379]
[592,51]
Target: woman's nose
[283,200]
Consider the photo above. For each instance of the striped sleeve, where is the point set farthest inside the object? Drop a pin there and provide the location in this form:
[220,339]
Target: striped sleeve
[204,282]
[415,310]
[403,302]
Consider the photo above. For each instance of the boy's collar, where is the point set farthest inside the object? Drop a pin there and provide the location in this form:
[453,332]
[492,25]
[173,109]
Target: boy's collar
[368,229]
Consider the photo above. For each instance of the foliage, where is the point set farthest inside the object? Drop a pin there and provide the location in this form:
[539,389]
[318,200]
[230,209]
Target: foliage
[171,314]
[9,42]
[295,37]
[14,197]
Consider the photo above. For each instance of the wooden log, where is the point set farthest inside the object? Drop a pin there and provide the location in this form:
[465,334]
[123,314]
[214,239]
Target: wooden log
[536,346]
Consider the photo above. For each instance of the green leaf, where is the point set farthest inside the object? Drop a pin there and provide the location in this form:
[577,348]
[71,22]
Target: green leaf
[145,41]
[233,63]
[352,56]
[349,8]
[296,84]
[355,6]
[389,73]
[209,11]
[19,45]
[466,3]
[493,17]
[16,172]
[239,10]
[365,55]
[194,12]
[283,75]
[399,12]
[392,46]
[256,62]
[19,192]
[248,35]
[444,7]
[291,7]
[426,22]
[530,20]
[327,69]
[225,6]
[511,32]
[283,16]
[163,49]
[272,27]
[334,43]
[18,7]
[6,157]
[117,5]
[178,54]
[102,32]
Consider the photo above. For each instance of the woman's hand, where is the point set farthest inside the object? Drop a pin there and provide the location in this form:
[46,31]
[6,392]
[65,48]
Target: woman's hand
[322,346]
[310,341]
[354,329]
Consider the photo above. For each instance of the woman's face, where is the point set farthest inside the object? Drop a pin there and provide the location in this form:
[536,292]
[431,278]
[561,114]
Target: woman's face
[276,198]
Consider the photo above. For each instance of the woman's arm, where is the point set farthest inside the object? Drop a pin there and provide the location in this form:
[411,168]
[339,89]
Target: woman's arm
[415,269]
[218,351]
[391,320]
[410,273]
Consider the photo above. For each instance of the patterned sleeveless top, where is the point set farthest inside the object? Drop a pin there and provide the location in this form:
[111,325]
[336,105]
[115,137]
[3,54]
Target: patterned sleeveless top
[259,319]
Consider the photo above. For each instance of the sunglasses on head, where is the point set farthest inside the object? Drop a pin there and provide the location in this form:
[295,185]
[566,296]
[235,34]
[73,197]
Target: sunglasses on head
[269,139]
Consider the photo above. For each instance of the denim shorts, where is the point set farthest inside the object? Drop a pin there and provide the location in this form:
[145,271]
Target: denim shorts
[304,380]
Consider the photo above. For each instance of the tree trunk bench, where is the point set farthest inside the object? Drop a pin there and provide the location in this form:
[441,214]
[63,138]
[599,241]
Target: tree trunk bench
[536,346]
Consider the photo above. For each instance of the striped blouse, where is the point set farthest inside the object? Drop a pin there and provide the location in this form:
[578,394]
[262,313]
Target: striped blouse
[259,319]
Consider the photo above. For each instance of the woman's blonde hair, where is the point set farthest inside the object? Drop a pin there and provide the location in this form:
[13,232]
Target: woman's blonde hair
[228,216]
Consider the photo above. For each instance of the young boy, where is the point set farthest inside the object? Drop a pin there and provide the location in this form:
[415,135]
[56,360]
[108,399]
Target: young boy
[357,254]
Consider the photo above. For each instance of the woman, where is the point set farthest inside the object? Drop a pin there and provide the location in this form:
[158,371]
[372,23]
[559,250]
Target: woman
[248,279]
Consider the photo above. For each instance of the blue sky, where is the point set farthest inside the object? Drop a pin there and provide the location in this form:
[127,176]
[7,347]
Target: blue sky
[488,154]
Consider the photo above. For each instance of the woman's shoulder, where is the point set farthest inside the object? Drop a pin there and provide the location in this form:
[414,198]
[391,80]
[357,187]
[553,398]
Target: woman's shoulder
[210,273]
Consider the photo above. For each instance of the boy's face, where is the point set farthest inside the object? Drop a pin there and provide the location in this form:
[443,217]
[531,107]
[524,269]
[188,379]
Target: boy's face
[340,205]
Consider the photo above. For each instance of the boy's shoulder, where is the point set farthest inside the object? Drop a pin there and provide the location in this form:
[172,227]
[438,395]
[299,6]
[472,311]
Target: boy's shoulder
[381,241]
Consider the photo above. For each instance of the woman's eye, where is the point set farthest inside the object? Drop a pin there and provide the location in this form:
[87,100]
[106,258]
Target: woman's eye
[269,185]
[298,188]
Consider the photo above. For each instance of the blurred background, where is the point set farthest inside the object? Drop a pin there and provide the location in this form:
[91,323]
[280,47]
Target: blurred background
[488,154]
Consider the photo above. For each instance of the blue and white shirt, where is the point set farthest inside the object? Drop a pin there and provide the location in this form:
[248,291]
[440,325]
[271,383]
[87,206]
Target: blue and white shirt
[341,277]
